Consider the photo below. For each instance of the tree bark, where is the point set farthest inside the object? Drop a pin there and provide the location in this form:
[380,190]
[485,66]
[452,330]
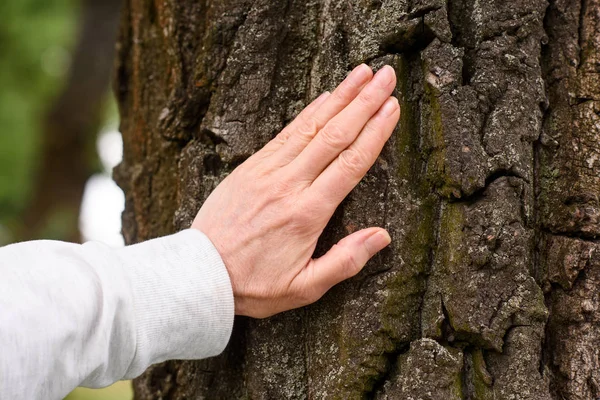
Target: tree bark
[489,188]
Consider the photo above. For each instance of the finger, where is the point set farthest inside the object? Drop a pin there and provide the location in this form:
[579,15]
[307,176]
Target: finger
[305,115]
[344,173]
[344,260]
[303,129]
[343,129]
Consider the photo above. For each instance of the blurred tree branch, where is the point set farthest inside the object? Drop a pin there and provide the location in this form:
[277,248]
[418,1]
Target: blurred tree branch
[70,128]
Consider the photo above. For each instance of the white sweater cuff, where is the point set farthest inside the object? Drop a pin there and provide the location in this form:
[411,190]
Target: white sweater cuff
[183,301]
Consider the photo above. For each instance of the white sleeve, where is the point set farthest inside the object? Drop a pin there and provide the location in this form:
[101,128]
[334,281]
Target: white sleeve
[88,315]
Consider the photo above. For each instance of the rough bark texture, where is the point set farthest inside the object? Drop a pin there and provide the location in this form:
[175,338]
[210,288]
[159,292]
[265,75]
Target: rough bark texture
[489,187]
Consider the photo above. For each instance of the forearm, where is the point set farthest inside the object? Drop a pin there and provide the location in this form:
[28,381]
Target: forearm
[87,315]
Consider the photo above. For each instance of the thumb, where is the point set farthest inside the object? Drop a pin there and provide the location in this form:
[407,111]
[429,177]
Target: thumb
[344,260]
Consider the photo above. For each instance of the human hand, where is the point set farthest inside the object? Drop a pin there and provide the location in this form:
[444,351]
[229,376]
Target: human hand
[265,218]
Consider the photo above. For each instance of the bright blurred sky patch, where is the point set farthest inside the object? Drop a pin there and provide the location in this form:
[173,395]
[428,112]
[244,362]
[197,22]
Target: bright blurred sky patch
[103,201]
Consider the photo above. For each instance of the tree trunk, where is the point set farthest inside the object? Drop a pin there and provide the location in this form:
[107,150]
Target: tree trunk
[489,187]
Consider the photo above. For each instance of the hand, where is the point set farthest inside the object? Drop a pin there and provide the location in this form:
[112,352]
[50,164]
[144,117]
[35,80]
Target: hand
[265,218]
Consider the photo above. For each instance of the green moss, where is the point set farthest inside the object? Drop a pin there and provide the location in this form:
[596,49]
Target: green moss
[362,369]
[452,221]
[457,387]
[407,140]
[406,288]
[437,138]
[438,175]
[437,172]
[452,257]
[482,380]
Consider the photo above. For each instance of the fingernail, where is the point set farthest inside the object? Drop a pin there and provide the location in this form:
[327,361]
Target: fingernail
[361,72]
[385,75]
[378,241]
[389,107]
[362,66]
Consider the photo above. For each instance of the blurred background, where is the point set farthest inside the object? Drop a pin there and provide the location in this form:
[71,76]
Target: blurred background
[59,136]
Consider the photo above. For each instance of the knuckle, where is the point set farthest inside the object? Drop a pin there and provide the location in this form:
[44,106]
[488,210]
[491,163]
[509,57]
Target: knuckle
[300,221]
[352,161]
[350,265]
[306,296]
[283,136]
[306,217]
[307,128]
[375,131]
[261,171]
[345,92]
[281,188]
[367,98]
[334,136]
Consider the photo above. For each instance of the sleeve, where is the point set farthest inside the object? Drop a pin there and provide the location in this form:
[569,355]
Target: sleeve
[88,315]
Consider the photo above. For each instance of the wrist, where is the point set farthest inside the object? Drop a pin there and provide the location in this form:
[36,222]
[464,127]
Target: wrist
[240,305]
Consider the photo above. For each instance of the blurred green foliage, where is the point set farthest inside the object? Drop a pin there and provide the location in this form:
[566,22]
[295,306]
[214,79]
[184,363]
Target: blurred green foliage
[35,41]
[119,391]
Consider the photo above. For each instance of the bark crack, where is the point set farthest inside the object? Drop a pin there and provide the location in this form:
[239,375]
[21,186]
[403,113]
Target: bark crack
[571,235]
[490,179]
[580,31]
[391,369]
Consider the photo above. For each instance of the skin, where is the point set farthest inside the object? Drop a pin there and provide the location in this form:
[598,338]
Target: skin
[265,218]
